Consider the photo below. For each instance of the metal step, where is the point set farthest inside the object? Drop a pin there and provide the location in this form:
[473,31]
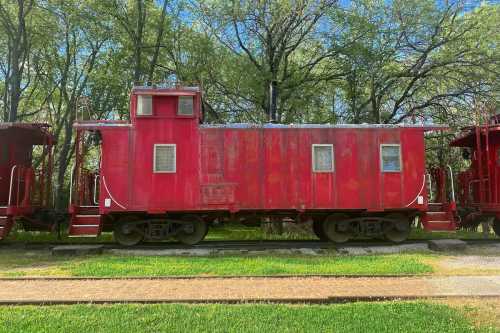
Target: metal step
[6,224]
[438,221]
[435,207]
[82,225]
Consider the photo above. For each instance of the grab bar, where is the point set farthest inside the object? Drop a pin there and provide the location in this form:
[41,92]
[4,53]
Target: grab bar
[430,186]
[95,189]
[71,185]
[11,183]
[452,184]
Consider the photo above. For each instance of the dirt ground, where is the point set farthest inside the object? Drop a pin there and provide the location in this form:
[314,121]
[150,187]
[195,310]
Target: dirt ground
[468,264]
[241,289]
[483,312]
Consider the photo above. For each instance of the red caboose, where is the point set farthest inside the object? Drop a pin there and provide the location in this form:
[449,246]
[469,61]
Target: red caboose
[25,184]
[479,186]
[166,175]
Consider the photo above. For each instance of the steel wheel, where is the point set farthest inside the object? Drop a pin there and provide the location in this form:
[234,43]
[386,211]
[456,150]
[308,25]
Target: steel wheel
[496,226]
[399,230]
[193,231]
[332,231]
[318,229]
[126,233]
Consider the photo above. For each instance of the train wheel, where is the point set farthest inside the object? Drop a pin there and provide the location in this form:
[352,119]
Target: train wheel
[318,229]
[126,233]
[193,231]
[332,228]
[496,226]
[399,230]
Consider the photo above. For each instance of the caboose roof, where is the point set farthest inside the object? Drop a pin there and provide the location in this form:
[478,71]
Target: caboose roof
[37,133]
[468,138]
[425,127]
[174,91]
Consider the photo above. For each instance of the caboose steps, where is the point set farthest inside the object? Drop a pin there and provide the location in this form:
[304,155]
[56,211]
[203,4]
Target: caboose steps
[6,224]
[85,223]
[438,221]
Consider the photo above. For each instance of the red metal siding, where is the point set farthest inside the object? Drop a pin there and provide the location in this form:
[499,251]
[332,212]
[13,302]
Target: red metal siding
[264,168]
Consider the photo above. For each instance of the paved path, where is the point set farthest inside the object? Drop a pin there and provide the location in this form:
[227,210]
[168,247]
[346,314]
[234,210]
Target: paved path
[321,289]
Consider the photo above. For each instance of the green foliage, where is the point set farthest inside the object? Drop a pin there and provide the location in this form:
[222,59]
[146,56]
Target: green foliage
[354,317]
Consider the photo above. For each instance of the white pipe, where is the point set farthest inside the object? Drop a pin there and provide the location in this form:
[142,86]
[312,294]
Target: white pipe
[107,190]
[419,192]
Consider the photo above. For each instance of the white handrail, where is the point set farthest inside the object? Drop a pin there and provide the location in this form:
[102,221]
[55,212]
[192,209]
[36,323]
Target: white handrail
[95,189]
[11,183]
[430,186]
[451,183]
[71,184]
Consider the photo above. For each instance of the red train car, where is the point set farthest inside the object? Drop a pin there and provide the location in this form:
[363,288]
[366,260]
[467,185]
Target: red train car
[479,194]
[25,188]
[166,175]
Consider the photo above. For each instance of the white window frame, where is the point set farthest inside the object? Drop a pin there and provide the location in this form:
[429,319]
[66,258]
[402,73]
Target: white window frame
[154,157]
[179,103]
[313,159]
[139,98]
[382,161]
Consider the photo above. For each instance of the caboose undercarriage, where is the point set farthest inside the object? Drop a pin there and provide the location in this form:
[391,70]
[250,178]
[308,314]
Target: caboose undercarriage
[191,227]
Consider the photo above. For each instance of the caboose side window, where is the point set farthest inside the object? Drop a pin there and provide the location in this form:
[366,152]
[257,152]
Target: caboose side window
[144,105]
[390,158]
[322,158]
[164,159]
[185,106]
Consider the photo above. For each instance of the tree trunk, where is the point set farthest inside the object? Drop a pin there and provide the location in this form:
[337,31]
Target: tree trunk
[138,41]
[159,38]
[273,101]
[374,104]
[63,161]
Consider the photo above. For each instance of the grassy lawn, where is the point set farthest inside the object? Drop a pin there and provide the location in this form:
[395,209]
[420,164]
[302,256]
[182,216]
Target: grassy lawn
[354,317]
[14,263]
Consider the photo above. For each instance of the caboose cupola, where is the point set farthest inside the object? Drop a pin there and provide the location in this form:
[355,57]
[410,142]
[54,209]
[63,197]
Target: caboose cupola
[153,103]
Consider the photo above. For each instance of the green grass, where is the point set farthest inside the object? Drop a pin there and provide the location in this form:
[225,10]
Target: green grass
[15,264]
[355,317]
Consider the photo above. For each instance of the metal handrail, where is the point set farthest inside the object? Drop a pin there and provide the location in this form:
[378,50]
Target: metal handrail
[11,183]
[452,183]
[430,185]
[71,185]
[95,190]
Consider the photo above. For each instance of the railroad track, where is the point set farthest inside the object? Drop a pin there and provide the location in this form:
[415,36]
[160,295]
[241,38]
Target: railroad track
[239,245]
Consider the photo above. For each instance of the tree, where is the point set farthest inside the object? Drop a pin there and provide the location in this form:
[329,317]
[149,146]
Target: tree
[15,20]
[280,41]
[71,58]
[414,60]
